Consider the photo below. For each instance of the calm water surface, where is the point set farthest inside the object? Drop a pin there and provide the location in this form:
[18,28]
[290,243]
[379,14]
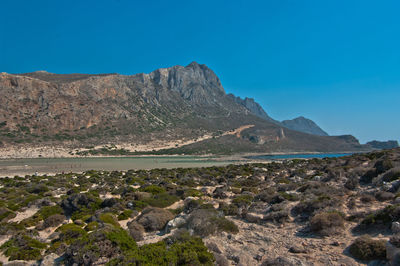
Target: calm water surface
[297,156]
[57,165]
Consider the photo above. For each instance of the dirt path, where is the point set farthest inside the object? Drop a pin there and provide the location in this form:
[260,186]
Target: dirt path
[238,131]
[23,215]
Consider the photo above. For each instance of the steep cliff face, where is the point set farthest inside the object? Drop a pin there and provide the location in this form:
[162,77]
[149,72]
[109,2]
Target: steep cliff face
[305,125]
[169,103]
[70,102]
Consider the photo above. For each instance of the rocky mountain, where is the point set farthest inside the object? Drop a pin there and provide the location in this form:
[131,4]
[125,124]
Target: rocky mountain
[253,107]
[168,104]
[305,125]
[390,144]
[300,124]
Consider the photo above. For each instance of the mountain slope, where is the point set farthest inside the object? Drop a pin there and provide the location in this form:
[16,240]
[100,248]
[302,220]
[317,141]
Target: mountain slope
[168,104]
[253,107]
[305,125]
[300,124]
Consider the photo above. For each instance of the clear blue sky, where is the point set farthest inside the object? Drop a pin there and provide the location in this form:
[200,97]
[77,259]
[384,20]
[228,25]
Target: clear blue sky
[336,62]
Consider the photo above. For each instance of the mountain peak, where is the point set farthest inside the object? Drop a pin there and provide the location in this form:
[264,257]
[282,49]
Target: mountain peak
[305,125]
[193,64]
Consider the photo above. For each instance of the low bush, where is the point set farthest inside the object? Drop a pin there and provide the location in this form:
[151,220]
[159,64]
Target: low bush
[136,230]
[327,223]
[23,247]
[184,250]
[126,214]
[153,189]
[109,219]
[48,211]
[309,207]
[70,232]
[391,175]
[6,214]
[206,222]
[366,248]
[242,200]
[382,217]
[122,239]
[384,196]
[229,209]
[92,226]
[53,220]
[162,200]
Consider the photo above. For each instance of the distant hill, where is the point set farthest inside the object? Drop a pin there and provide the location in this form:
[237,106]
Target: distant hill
[300,124]
[303,124]
[383,144]
[169,104]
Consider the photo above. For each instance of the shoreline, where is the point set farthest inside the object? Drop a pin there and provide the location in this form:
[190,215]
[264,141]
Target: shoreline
[216,156]
[10,167]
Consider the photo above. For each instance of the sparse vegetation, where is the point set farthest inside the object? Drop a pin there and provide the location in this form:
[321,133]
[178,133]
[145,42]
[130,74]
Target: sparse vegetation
[366,248]
[113,212]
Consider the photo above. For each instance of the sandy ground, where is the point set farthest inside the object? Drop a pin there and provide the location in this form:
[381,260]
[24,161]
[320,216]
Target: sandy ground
[23,215]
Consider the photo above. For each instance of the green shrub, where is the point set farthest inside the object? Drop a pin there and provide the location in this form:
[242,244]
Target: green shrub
[91,226]
[162,200]
[206,222]
[126,214]
[229,210]
[242,200]
[23,247]
[225,225]
[139,205]
[48,211]
[5,213]
[70,232]
[384,216]
[192,193]
[289,197]
[122,239]
[109,219]
[327,223]
[153,189]
[187,250]
[366,248]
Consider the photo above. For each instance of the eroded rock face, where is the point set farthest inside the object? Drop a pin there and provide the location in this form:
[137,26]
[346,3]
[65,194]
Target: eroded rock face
[73,101]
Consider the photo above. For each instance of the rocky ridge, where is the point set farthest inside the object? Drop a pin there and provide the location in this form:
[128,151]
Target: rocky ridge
[173,104]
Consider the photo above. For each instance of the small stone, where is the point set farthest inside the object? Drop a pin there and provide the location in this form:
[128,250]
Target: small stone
[78,222]
[335,243]
[396,227]
[297,249]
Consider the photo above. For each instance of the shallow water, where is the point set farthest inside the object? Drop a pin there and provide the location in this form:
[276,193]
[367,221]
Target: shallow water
[297,156]
[11,167]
